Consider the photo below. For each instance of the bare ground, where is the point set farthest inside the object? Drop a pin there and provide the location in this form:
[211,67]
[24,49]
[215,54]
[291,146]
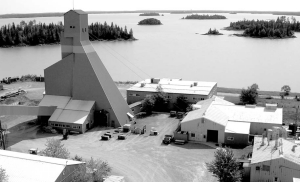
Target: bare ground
[140,158]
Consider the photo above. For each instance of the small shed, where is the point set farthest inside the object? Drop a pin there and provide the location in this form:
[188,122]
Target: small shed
[136,107]
[237,133]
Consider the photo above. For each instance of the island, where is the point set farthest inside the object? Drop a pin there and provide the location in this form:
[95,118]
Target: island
[213,32]
[150,14]
[203,17]
[32,33]
[150,21]
[269,29]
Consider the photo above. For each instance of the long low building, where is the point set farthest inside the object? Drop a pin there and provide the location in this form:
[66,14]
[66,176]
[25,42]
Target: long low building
[193,91]
[220,121]
[33,168]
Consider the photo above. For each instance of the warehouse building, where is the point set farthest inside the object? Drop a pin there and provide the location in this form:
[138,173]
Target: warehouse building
[193,91]
[220,121]
[80,83]
[34,168]
[277,161]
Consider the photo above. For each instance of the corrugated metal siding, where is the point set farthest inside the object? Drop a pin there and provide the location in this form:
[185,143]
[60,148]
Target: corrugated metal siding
[239,139]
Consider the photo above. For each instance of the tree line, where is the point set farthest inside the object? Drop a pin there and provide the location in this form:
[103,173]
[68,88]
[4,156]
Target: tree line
[283,27]
[33,33]
[202,17]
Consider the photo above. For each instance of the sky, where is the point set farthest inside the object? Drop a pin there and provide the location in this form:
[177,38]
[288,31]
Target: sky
[40,6]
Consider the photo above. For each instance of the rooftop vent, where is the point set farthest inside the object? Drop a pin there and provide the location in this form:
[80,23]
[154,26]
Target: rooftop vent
[195,83]
[142,84]
[250,106]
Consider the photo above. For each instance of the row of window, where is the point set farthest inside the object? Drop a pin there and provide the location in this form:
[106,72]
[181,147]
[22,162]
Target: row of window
[64,126]
[83,29]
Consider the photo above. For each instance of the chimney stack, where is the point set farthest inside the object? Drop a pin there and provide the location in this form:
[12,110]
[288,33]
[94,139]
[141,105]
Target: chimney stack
[263,137]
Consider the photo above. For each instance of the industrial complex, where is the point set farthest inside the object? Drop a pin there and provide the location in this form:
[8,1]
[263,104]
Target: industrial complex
[80,94]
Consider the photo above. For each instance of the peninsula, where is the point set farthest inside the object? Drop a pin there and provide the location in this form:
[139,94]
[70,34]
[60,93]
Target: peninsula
[269,29]
[150,14]
[213,32]
[204,17]
[32,33]
[150,21]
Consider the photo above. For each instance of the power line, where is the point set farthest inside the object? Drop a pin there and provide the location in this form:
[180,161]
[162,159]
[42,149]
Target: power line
[118,59]
[125,59]
[129,61]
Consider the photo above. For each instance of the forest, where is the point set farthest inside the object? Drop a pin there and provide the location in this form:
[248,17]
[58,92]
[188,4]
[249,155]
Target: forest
[150,14]
[204,17]
[213,32]
[33,33]
[150,21]
[283,27]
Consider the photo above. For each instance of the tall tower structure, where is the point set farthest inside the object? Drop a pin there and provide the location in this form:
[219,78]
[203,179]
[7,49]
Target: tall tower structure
[81,74]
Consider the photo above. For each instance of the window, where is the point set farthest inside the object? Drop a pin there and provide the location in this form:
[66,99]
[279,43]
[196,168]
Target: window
[202,98]
[265,168]
[257,168]
[204,136]
[230,138]
[82,29]
[135,95]
[193,135]
[276,179]
[85,29]
[78,127]
[169,97]
[71,27]
[67,126]
[56,124]
[185,98]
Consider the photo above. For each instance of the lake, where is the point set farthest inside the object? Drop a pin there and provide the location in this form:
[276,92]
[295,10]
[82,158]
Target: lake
[174,50]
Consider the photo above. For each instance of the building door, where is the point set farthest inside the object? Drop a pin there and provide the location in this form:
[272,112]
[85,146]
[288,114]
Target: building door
[212,136]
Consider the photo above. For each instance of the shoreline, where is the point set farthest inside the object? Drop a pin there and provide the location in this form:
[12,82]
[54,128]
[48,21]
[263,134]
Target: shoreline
[25,45]
[212,34]
[219,89]
[241,35]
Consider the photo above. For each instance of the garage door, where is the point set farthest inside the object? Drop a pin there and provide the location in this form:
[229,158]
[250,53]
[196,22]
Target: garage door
[212,136]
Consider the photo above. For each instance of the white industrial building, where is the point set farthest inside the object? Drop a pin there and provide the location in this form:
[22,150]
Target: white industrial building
[75,115]
[279,163]
[193,91]
[220,121]
[20,167]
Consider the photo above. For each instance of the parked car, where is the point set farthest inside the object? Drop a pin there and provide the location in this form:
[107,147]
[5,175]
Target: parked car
[168,139]
[172,113]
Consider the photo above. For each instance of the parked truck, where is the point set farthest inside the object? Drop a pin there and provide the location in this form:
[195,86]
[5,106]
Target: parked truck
[168,139]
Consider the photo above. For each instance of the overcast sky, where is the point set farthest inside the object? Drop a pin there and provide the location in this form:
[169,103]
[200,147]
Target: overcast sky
[38,6]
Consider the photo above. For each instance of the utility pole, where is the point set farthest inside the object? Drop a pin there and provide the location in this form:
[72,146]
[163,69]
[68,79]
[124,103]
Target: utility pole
[297,110]
[2,136]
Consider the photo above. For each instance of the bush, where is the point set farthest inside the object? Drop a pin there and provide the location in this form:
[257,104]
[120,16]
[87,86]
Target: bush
[147,105]
[54,148]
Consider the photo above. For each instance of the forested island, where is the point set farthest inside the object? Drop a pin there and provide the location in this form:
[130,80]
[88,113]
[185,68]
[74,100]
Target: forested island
[32,33]
[150,21]
[150,14]
[203,17]
[281,28]
[213,32]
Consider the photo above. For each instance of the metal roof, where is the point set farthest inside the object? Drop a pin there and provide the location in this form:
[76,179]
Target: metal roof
[175,86]
[32,168]
[267,153]
[78,11]
[253,115]
[53,100]
[80,105]
[55,115]
[237,127]
[135,104]
[75,117]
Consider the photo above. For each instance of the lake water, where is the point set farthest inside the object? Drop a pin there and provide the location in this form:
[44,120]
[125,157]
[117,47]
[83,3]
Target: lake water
[174,50]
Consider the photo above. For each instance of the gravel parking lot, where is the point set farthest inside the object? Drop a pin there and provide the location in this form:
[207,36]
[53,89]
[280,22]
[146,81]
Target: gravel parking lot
[140,158]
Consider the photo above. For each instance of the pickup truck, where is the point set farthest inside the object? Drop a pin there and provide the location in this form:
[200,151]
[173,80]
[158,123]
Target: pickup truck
[168,139]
